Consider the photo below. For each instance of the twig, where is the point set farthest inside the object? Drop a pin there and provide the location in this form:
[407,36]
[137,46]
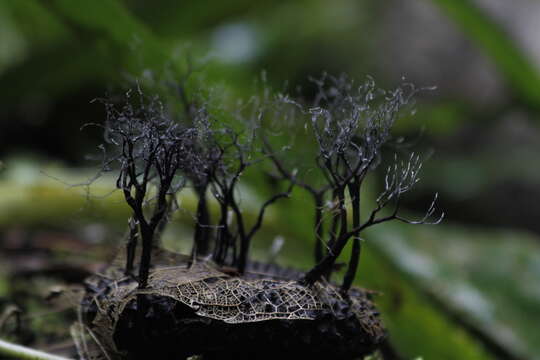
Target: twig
[23,352]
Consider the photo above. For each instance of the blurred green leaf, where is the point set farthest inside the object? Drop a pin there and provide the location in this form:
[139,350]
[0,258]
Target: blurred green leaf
[415,325]
[37,23]
[512,62]
[110,19]
[73,43]
[486,276]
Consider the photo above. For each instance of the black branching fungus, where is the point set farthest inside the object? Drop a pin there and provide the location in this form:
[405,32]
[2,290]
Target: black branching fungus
[215,302]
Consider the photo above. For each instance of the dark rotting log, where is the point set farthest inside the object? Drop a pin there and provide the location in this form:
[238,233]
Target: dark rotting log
[200,310]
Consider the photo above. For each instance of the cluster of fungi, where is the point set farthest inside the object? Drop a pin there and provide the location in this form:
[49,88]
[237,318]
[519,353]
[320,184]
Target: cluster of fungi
[217,303]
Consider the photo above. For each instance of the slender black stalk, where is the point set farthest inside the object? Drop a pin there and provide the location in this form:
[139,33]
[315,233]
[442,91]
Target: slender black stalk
[131,246]
[201,237]
[333,231]
[147,235]
[354,192]
[319,226]
[223,236]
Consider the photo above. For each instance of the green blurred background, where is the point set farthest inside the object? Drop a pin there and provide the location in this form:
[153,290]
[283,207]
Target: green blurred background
[466,289]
